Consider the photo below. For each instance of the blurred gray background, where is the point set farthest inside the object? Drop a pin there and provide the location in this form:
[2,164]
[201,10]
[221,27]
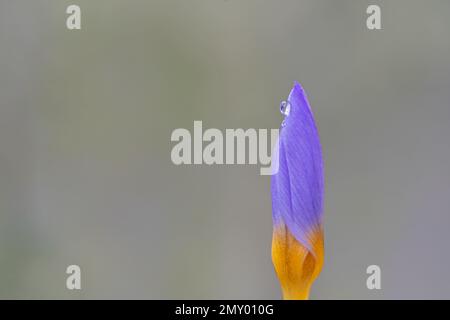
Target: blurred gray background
[85,124]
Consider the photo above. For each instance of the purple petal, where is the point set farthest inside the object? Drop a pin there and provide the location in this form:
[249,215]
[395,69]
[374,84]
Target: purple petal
[297,188]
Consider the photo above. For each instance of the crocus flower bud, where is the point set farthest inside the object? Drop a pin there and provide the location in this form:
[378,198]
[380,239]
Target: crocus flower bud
[297,188]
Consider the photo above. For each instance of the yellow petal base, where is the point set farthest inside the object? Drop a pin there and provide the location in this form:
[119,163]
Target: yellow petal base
[295,265]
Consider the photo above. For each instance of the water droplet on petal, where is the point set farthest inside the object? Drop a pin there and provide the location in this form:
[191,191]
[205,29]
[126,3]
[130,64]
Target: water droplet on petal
[285,107]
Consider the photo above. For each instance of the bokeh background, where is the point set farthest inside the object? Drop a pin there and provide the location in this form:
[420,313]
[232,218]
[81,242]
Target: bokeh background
[85,124]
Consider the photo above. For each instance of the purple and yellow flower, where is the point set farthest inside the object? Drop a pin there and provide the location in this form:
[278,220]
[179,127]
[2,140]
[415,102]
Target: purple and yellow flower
[297,199]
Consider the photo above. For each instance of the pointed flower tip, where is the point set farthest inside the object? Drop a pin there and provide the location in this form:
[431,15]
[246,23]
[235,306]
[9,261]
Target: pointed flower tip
[297,85]
[298,96]
[297,196]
